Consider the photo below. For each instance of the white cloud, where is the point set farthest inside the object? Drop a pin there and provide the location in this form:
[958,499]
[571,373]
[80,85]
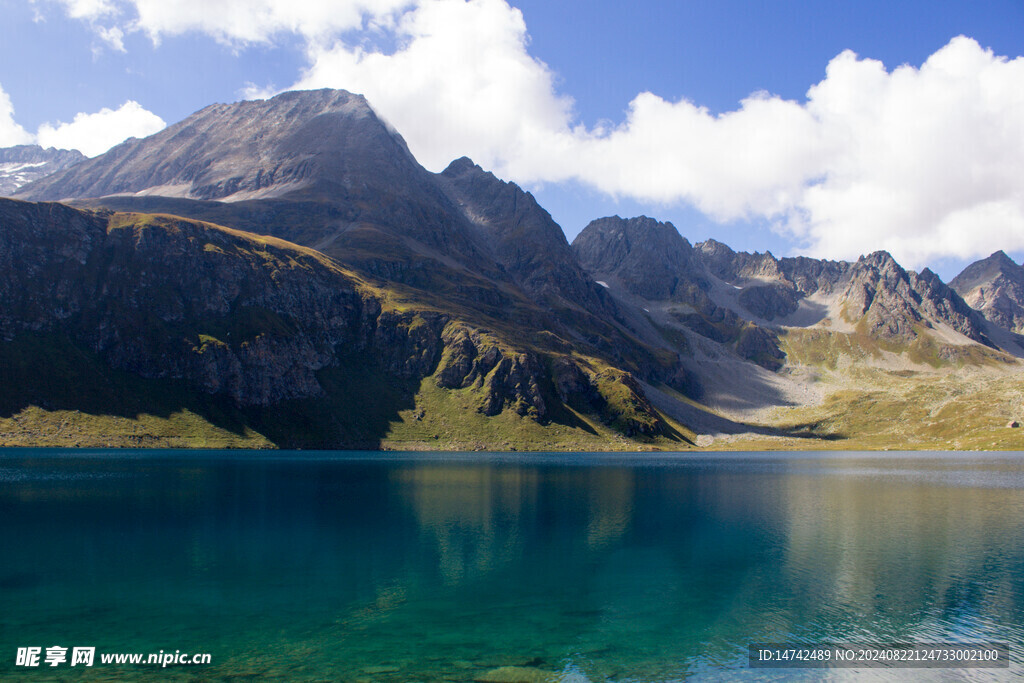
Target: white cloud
[94,134]
[10,132]
[251,91]
[925,162]
[86,9]
[257,21]
[113,36]
[237,22]
[461,83]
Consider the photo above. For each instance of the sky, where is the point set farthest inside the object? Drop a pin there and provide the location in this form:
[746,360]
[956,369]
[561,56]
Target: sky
[830,129]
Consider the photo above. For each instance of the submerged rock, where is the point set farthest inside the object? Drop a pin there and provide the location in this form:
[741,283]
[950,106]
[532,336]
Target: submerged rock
[518,674]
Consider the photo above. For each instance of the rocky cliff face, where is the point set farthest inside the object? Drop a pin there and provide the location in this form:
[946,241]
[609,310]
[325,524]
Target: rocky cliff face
[253,319]
[810,276]
[522,236]
[995,287]
[168,298]
[23,164]
[804,275]
[646,257]
[893,303]
[729,265]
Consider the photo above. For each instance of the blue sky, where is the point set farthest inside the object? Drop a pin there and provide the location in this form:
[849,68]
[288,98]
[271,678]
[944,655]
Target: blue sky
[920,161]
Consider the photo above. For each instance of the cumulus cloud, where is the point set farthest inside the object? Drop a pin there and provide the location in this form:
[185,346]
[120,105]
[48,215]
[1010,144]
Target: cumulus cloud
[238,22]
[462,82]
[113,37]
[257,21]
[10,132]
[923,161]
[91,134]
[94,134]
[86,9]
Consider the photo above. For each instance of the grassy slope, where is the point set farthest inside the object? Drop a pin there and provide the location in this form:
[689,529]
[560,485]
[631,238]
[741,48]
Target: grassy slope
[59,395]
[929,397]
[442,419]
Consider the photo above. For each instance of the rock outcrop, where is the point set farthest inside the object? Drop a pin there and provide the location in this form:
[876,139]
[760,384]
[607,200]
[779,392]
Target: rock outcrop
[646,257]
[892,303]
[505,378]
[729,265]
[522,237]
[995,287]
[23,164]
[165,298]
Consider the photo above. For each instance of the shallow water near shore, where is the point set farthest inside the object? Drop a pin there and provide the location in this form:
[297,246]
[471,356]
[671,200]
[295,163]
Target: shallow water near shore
[462,567]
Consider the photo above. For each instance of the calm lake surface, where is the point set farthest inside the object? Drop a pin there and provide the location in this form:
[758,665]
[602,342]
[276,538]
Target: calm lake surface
[397,567]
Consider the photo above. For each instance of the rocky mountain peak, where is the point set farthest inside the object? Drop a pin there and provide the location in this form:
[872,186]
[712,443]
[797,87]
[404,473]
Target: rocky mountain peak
[520,234]
[1001,258]
[881,261]
[300,141]
[22,164]
[647,257]
[894,304]
[713,247]
[995,287]
[730,265]
[987,270]
[880,267]
[461,166]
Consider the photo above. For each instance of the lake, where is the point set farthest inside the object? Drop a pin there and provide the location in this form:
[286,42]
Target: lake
[440,567]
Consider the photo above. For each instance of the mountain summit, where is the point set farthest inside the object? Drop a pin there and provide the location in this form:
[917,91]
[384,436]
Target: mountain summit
[22,164]
[994,286]
[314,167]
[309,141]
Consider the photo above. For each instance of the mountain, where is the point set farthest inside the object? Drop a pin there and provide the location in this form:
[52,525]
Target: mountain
[646,257]
[311,141]
[875,294]
[813,337]
[321,169]
[331,173]
[893,304]
[995,287]
[284,273]
[23,164]
[142,329]
[521,236]
[524,328]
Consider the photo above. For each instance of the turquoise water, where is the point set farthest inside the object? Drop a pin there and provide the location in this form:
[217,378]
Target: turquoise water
[385,567]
